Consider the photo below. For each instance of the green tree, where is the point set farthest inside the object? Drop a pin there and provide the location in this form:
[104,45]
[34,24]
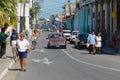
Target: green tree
[8,11]
[35,10]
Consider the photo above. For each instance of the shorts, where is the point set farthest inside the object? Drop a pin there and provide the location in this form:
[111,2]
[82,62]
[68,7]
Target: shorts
[92,48]
[14,43]
[22,54]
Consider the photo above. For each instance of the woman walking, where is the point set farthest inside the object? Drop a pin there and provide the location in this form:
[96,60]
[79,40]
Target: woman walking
[23,48]
[98,42]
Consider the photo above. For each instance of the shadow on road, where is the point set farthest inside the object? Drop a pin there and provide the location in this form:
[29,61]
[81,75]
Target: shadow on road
[14,69]
[101,53]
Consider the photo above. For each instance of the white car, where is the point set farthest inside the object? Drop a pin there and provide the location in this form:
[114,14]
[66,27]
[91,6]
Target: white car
[73,36]
[67,34]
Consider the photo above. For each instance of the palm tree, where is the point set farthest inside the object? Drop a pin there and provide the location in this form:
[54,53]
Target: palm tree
[8,11]
[34,11]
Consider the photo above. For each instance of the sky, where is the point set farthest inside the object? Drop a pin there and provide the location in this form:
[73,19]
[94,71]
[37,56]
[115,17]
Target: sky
[50,7]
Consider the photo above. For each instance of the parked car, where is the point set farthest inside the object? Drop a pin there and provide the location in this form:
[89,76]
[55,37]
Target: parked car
[73,36]
[81,40]
[67,34]
[56,40]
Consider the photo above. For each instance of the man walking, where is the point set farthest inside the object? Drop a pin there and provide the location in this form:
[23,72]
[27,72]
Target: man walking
[3,37]
[13,40]
[92,42]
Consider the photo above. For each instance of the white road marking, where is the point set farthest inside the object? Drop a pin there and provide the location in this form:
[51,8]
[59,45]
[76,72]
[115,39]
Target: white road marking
[36,60]
[98,66]
[41,50]
[44,60]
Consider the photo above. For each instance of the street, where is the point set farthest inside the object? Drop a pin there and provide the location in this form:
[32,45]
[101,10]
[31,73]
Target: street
[65,64]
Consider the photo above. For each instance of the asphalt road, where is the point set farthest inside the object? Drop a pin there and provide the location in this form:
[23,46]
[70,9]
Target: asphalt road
[66,64]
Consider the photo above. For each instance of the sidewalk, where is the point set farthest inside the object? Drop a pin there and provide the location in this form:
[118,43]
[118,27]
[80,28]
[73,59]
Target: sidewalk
[5,64]
[110,51]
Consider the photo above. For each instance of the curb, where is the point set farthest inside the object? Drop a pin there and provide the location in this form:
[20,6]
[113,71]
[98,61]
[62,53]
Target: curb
[6,70]
[106,51]
[111,52]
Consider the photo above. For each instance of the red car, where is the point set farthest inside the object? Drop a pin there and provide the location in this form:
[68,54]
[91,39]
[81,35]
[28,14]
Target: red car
[56,40]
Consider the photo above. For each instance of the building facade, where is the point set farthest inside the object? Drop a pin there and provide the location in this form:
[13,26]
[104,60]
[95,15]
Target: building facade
[98,15]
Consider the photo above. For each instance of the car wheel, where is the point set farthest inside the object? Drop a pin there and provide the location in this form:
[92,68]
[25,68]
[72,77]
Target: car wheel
[76,46]
[79,47]
[48,47]
[65,47]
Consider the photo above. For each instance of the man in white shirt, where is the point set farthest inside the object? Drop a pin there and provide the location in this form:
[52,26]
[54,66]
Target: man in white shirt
[92,42]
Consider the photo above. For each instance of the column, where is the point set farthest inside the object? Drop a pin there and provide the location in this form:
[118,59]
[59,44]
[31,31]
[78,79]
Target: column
[80,20]
[77,19]
[108,19]
[101,16]
[91,18]
[75,22]
[86,19]
[83,19]
[111,20]
[96,16]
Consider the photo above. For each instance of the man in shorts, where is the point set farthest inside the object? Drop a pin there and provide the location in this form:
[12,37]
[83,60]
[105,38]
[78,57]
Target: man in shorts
[13,40]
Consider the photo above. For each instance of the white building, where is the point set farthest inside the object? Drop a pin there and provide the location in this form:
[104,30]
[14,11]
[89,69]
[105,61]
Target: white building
[21,14]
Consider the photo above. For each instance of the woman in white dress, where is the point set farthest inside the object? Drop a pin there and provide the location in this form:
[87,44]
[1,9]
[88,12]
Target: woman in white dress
[98,42]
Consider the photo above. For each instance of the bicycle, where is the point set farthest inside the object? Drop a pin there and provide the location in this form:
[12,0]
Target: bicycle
[34,43]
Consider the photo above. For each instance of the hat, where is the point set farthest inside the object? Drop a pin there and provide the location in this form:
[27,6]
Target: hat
[13,29]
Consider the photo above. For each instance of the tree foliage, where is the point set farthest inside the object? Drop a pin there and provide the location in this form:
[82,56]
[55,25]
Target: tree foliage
[35,10]
[8,11]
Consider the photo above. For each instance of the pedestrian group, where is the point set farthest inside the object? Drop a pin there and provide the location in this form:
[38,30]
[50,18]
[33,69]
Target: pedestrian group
[94,42]
[19,44]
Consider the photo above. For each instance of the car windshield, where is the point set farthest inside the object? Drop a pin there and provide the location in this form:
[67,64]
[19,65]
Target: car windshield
[55,36]
[66,32]
[75,33]
[83,36]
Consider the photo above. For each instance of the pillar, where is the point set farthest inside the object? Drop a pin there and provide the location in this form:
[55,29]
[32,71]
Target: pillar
[108,19]
[96,16]
[111,20]
[102,28]
[86,19]
[79,20]
[91,18]
[83,19]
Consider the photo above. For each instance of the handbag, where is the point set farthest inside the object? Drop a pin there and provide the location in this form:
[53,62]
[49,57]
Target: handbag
[87,45]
